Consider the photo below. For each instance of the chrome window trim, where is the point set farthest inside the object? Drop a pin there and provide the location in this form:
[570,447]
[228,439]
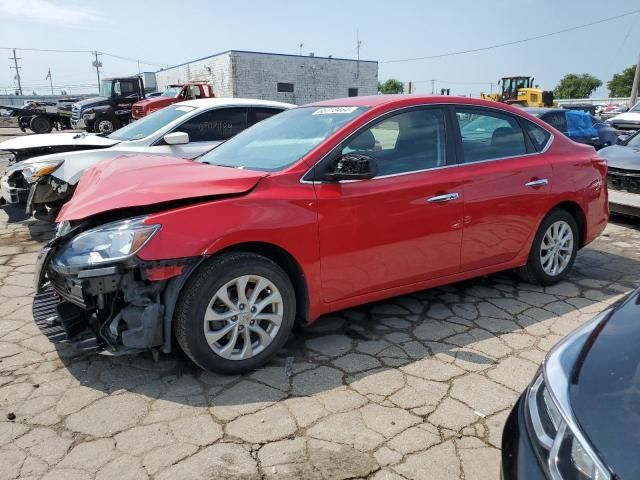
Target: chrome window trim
[399,110]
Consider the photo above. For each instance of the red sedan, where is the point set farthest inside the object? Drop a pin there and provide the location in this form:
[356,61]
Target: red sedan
[314,210]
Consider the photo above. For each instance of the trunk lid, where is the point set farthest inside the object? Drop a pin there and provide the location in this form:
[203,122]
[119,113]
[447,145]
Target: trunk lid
[143,180]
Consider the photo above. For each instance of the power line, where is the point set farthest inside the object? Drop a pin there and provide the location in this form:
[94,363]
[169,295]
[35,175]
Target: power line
[515,42]
[57,50]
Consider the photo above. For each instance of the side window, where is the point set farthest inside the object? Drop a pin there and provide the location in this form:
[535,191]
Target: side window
[127,87]
[263,113]
[487,134]
[557,120]
[405,142]
[539,136]
[220,124]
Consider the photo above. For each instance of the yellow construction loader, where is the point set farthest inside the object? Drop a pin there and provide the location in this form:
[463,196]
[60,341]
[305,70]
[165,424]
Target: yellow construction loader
[520,91]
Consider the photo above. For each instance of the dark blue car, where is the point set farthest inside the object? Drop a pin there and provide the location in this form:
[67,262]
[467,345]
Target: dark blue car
[579,126]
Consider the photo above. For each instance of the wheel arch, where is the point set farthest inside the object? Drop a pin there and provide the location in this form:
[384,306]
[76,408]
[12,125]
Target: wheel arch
[576,211]
[288,263]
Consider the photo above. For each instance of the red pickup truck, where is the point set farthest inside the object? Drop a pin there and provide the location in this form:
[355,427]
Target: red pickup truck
[173,94]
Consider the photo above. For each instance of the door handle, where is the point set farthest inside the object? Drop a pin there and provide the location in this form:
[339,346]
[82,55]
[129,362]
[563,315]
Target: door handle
[537,183]
[447,197]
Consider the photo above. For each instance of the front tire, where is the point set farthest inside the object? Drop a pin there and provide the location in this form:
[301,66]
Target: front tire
[105,125]
[235,313]
[553,251]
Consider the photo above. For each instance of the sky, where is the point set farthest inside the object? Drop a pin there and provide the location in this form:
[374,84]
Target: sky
[167,33]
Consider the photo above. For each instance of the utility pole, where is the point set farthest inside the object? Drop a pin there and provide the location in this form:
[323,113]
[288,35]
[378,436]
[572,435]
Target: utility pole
[491,87]
[636,83]
[301,45]
[433,87]
[50,80]
[96,63]
[358,43]
[17,69]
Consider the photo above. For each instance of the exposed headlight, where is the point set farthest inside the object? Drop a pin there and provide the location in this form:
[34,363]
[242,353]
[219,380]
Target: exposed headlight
[36,171]
[108,243]
[63,228]
[558,438]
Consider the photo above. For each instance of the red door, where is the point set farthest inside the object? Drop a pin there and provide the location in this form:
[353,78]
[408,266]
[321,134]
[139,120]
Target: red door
[401,227]
[507,185]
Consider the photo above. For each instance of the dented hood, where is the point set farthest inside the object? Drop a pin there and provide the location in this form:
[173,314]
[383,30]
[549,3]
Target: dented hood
[77,139]
[142,180]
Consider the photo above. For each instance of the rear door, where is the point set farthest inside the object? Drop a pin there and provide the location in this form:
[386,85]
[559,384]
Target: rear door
[403,226]
[206,130]
[507,184]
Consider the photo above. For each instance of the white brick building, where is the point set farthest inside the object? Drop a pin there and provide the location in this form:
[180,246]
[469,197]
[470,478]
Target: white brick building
[272,76]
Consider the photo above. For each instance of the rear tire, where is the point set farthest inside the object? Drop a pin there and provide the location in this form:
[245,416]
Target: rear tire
[226,331]
[553,251]
[40,124]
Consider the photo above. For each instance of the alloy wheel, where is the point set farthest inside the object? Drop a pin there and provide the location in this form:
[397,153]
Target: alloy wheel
[243,317]
[556,248]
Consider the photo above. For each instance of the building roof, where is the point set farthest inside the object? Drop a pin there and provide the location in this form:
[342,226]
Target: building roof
[266,53]
[224,102]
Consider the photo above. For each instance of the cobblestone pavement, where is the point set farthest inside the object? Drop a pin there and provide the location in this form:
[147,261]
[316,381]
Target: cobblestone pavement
[417,387]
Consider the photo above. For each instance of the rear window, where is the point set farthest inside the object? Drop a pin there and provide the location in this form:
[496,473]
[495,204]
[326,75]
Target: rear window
[538,135]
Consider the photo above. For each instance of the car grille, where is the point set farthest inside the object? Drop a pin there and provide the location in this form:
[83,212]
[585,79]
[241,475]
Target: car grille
[75,112]
[623,180]
[138,111]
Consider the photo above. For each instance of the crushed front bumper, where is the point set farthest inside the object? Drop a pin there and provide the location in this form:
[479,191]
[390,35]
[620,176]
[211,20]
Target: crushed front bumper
[115,308]
[12,192]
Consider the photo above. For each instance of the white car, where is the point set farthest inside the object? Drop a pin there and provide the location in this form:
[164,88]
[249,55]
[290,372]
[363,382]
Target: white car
[186,130]
[629,120]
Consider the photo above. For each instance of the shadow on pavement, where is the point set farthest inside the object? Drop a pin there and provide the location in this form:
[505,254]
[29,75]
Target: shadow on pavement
[462,326]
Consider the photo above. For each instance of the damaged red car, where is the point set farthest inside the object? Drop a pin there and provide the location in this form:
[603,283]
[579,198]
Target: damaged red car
[314,210]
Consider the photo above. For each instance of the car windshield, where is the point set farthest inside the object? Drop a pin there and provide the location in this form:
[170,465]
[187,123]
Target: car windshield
[146,126]
[281,140]
[635,108]
[171,92]
[106,88]
[634,140]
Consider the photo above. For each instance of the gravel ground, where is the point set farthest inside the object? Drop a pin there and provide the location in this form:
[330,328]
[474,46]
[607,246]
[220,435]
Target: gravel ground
[415,387]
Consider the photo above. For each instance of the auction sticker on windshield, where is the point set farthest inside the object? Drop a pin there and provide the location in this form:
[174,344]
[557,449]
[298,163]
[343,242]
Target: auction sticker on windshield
[185,109]
[330,110]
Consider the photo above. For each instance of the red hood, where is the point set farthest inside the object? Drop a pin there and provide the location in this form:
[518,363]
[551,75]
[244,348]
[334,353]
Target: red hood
[139,180]
[157,102]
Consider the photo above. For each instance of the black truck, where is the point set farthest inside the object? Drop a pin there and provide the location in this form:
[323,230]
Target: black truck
[111,109]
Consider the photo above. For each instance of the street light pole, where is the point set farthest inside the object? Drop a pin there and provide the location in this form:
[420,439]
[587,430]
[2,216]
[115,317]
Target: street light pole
[636,83]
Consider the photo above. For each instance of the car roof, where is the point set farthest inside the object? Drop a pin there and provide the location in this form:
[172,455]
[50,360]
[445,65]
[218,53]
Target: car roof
[234,102]
[540,110]
[407,100]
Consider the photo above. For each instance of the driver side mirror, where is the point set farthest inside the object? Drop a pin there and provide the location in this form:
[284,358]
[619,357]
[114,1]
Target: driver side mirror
[176,138]
[352,166]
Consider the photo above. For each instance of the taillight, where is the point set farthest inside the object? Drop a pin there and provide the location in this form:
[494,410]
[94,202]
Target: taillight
[600,163]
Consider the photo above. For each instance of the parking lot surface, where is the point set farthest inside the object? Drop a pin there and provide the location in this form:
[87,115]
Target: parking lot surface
[416,387]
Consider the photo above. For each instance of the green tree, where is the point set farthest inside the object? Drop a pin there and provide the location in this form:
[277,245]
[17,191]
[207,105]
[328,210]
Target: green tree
[575,85]
[621,83]
[391,86]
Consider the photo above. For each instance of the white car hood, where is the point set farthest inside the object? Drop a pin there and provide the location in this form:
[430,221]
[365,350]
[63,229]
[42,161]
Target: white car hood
[635,116]
[75,139]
